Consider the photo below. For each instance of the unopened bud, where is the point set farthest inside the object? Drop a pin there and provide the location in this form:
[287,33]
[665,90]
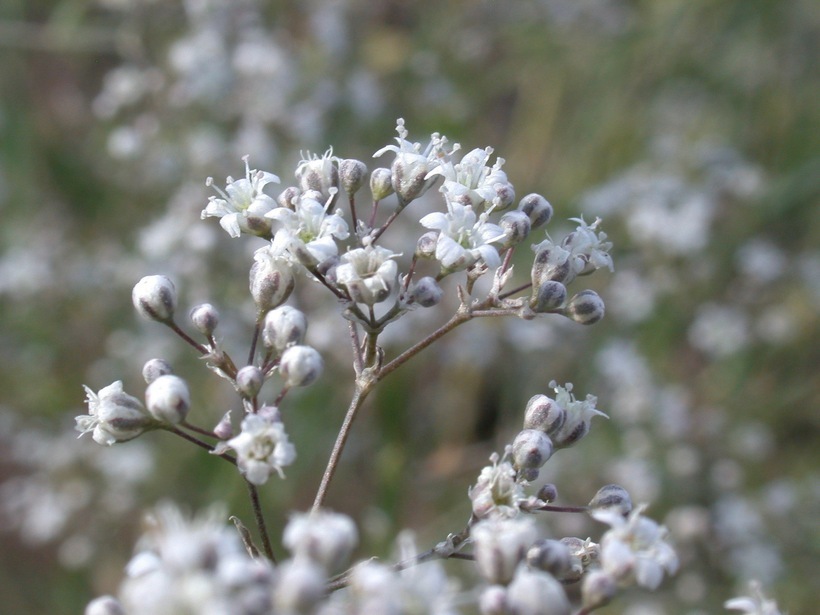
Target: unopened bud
[285,326]
[289,197]
[155,298]
[550,296]
[154,368]
[551,263]
[167,399]
[380,184]
[104,605]
[500,545]
[224,428]
[544,414]
[537,208]
[504,195]
[493,601]
[547,493]
[598,588]
[516,225]
[426,245]
[550,556]
[352,174]
[531,449]
[271,281]
[612,497]
[426,292]
[205,318]
[300,366]
[249,381]
[585,308]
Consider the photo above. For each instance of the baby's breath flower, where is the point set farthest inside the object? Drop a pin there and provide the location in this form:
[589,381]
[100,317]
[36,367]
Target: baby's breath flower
[579,415]
[271,279]
[756,604]
[155,298]
[369,274]
[589,248]
[168,399]
[243,205]
[472,179]
[262,447]
[318,173]
[496,492]
[500,545]
[113,415]
[324,537]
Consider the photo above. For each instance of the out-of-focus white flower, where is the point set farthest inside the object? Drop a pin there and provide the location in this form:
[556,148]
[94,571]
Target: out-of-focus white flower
[496,492]
[472,179]
[113,415]
[501,545]
[243,205]
[579,415]
[756,604]
[307,235]
[262,447]
[634,550]
[534,592]
[410,171]
[719,330]
[324,537]
[369,274]
[463,237]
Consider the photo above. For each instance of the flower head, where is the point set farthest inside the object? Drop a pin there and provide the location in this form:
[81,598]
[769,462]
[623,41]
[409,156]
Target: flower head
[318,173]
[496,492]
[262,447]
[369,274]
[579,415]
[113,415]
[471,178]
[243,204]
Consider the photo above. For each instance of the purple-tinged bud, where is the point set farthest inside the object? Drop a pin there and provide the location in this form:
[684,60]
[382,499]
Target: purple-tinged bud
[155,298]
[271,280]
[224,428]
[529,475]
[531,449]
[504,195]
[551,263]
[426,245]
[426,292]
[205,318]
[544,414]
[154,368]
[493,601]
[516,225]
[550,296]
[547,493]
[352,174]
[537,209]
[249,381]
[285,326]
[113,415]
[550,556]
[598,588]
[168,399]
[612,497]
[381,185]
[585,308]
[300,366]
[289,197]
[583,554]
[104,605]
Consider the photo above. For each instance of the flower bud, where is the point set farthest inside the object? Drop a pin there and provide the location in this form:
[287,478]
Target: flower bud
[285,326]
[612,497]
[352,175]
[550,296]
[533,592]
[104,605]
[426,245]
[289,198]
[544,414]
[155,298]
[531,449]
[113,415]
[224,428]
[537,208]
[504,195]
[249,381]
[168,399]
[493,601]
[324,537]
[380,184]
[547,493]
[516,225]
[598,588]
[154,368]
[500,545]
[271,281]
[300,366]
[551,263]
[585,308]
[205,318]
[426,292]
[408,174]
[550,556]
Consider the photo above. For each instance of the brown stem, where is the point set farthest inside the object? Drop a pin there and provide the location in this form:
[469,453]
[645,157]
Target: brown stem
[260,521]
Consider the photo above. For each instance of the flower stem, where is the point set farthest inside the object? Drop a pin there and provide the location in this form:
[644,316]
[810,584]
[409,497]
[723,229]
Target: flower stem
[260,521]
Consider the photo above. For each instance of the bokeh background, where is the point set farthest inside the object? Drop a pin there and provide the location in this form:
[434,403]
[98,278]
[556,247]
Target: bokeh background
[690,126]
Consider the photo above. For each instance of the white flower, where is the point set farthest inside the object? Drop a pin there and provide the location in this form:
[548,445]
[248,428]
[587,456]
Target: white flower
[463,238]
[324,537]
[473,179]
[262,447]
[756,604]
[579,415]
[496,493]
[589,248]
[318,173]
[243,204]
[410,171]
[502,544]
[369,274]
[307,235]
[533,592]
[113,415]
[634,550]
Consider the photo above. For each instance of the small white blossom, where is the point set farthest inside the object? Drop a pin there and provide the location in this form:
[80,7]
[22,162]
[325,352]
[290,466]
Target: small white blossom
[318,173]
[496,493]
[533,592]
[307,234]
[756,604]
[463,237]
[113,415]
[262,447]
[243,204]
[579,415]
[369,274]
[324,537]
[501,545]
[589,248]
[471,178]
[634,550]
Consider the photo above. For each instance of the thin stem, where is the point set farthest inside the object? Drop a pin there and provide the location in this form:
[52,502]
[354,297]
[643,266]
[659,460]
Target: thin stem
[357,351]
[187,338]
[356,402]
[254,340]
[515,291]
[201,431]
[352,201]
[260,521]
[565,509]
[199,443]
[384,226]
[373,212]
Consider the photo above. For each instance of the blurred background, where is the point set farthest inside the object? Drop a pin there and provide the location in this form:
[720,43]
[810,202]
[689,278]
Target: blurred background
[690,126]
